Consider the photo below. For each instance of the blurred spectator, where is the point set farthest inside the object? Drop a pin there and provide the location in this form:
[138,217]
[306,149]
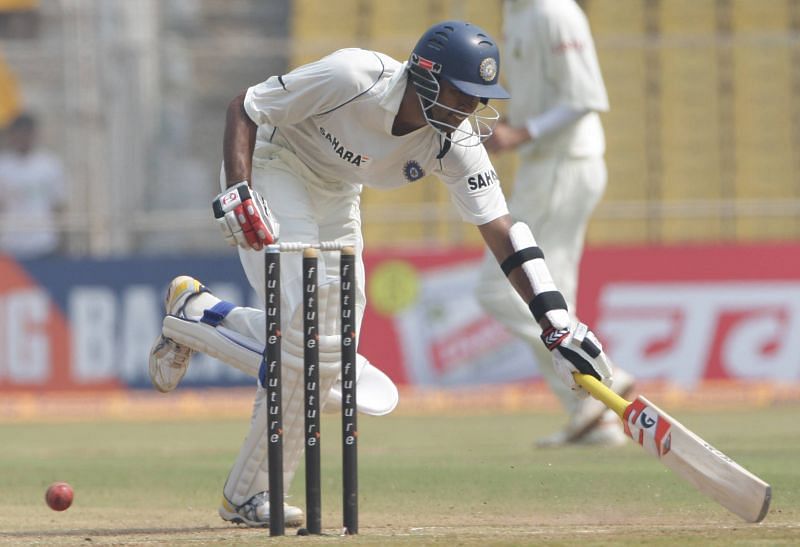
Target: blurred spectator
[32,193]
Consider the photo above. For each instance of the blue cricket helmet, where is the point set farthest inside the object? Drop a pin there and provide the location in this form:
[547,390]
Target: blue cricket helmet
[464,55]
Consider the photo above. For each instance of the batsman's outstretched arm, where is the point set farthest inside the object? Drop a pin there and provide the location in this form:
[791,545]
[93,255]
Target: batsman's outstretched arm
[574,348]
[496,236]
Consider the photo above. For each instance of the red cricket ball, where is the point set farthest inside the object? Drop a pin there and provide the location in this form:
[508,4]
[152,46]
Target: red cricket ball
[59,496]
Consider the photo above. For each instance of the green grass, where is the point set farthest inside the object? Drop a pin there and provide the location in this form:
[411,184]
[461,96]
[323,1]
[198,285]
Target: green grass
[444,480]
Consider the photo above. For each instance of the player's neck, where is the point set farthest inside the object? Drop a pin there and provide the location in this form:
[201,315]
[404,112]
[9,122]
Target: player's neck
[409,116]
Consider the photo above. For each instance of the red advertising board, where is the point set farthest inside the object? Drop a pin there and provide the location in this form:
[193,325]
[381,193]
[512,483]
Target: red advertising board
[692,313]
[682,314]
[424,326]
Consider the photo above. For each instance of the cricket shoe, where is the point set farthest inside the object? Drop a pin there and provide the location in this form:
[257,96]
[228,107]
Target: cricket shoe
[255,512]
[588,415]
[168,359]
[606,432]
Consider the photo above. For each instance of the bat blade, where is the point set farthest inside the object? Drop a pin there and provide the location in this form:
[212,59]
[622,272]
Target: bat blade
[710,471]
[707,469]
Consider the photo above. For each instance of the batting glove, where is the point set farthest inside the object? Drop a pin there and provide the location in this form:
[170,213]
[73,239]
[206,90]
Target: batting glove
[577,350]
[244,218]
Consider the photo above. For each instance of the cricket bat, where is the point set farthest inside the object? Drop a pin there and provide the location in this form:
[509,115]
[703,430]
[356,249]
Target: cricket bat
[706,468]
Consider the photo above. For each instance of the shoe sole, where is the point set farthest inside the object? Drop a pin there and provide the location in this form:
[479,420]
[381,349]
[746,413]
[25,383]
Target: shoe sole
[236,518]
[151,366]
[609,442]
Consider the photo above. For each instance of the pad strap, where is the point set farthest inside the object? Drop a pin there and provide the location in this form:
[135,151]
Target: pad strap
[546,301]
[215,314]
[519,257]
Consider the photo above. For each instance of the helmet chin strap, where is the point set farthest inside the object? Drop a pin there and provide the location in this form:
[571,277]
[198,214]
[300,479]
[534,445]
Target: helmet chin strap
[445,147]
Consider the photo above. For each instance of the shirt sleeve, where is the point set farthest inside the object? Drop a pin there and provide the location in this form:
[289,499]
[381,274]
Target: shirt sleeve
[473,184]
[314,88]
[571,60]
[554,120]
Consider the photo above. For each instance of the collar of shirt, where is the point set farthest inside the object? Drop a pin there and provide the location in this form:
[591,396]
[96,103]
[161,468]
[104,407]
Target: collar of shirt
[393,95]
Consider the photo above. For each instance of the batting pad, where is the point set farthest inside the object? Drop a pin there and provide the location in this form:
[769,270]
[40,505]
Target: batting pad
[250,473]
[377,394]
[219,342]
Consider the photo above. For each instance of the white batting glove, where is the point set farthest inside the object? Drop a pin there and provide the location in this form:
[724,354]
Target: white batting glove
[577,350]
[244,217]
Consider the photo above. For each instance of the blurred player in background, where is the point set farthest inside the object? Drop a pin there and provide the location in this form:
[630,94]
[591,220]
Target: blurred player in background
[553,123]
[32,193]
[297,149]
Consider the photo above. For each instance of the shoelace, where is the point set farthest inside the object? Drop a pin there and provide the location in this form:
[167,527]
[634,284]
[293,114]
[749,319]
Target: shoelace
[181,353]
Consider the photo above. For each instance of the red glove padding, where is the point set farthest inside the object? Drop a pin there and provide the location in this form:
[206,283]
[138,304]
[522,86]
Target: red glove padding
[244,217]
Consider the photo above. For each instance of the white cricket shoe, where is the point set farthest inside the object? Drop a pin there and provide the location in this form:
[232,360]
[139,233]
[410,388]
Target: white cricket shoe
[607,432]
[588,415]
[255,512]
[168,359]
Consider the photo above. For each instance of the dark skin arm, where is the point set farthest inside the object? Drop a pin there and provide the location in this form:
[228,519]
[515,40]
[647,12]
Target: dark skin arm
[239,142]
[495,234]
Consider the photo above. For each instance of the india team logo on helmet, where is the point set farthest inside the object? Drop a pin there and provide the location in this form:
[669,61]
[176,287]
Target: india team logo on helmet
[488,69]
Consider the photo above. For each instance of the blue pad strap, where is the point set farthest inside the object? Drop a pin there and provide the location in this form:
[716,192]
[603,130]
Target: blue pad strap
[216,313]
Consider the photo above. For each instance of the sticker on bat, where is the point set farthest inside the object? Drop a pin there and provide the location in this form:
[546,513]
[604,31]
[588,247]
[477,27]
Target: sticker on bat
[647,427]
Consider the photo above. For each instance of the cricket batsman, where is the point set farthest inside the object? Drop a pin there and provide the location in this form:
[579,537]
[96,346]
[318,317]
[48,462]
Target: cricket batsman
[298,148]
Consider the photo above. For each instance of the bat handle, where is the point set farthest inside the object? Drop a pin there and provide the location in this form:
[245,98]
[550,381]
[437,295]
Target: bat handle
[602,393]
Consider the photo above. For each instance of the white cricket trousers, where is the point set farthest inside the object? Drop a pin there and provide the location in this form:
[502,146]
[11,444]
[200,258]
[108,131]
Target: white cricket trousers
[556,198]
[309,210]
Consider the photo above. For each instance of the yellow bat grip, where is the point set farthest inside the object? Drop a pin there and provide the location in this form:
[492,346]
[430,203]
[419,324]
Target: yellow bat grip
[602,393]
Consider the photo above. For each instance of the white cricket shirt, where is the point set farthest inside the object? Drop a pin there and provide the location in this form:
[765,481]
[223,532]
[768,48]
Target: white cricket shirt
[336,116]
[550,60]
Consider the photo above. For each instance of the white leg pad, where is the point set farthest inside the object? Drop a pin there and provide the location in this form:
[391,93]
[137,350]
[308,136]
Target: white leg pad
[377,394]
[219,342]
[249,475]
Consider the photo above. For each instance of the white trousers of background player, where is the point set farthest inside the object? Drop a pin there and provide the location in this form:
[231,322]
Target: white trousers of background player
[556,198]
[308,210]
